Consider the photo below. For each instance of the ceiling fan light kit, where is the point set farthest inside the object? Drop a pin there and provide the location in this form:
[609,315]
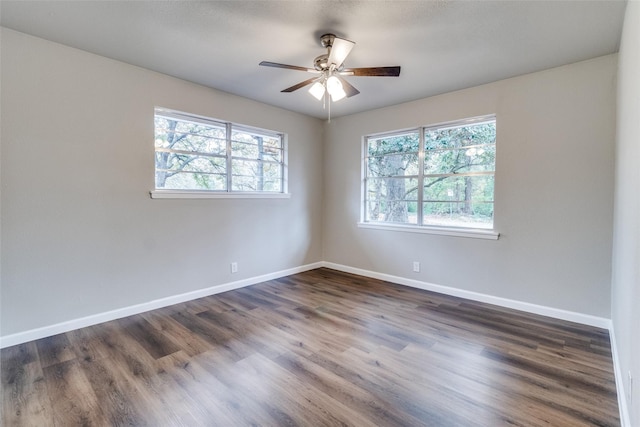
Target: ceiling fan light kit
[331,68]
[317,90]
[334,87]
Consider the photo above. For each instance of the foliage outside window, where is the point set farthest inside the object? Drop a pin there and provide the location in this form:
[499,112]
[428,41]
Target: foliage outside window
[439,175]
[201,154]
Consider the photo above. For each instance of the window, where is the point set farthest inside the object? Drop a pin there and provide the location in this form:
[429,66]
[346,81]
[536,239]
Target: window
[441,176]
[196,154]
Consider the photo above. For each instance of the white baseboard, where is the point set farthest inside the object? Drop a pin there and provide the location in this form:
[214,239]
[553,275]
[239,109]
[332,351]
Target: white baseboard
[625,419]
[556,313]
[58,328]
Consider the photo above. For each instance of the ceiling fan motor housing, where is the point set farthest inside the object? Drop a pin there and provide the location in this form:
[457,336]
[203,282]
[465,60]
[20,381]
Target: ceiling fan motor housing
[327,40]
[321,63]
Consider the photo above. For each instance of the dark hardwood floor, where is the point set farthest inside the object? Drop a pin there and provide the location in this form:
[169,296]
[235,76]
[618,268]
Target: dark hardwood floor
[320,348]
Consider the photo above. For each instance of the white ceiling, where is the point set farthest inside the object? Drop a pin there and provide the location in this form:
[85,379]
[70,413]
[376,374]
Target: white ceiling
[441,45]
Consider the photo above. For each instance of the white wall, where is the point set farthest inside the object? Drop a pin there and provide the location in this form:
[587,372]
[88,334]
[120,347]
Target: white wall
[80,234]
[626,238]
[554,181]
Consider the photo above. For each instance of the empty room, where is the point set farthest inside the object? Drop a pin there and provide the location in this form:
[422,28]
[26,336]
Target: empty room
[319,213]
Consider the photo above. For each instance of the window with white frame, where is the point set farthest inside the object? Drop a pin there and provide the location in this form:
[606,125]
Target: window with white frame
[199,154]
[441,175]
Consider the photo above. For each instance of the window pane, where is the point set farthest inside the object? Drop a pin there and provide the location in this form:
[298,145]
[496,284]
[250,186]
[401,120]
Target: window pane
[392,199]
[392,188]
[474,159]
[256,151]
[196,144]
[402,143]
[184,162]
[461,201]
[247,136]
[249,151]
[250,175]
[460,136]
[251,183]
[459,188]
[186,136]
[393,165]
[458,214]
[398,211]
[256,146]
[210,130]
[191,181]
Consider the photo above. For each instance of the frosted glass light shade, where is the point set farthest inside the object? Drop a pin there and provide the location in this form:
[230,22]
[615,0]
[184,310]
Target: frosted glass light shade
[317,90]
[333,83]
[334,87]
[338,94]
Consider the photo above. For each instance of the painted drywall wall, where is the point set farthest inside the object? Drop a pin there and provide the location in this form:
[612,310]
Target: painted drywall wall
[626,238]
[80,234]
[553,196]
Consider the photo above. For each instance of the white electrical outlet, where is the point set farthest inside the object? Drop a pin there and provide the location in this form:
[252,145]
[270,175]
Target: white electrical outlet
[234,267]
[416,266]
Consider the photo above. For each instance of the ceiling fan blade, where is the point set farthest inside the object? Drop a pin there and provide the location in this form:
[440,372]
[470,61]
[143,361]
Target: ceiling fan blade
[288,67]
[340,49]
[301,84]
[348,87]
[372,72]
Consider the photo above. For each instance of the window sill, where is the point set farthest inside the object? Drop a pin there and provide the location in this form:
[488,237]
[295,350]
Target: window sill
[474,233]
[186,194]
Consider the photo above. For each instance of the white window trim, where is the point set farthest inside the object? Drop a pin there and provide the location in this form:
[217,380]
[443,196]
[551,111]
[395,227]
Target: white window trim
[474,233]
[228,194]
[196,194]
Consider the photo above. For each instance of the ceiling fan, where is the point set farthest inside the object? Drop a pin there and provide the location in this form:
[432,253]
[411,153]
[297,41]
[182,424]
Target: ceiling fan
[331,69]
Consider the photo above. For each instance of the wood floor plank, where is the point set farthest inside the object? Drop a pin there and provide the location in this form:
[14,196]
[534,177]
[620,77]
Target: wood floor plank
[379,411]
[241,395]
[114,392]
[299,400]
[217,337]
[319,348]
[87,343]
[25,401]
[54,349]
[209,396]
[73,401]
[156,343]
[156,395]
[181,336]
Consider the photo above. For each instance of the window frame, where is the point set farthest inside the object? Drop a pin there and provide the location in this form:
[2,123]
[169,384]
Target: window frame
[420,227]
[227,155]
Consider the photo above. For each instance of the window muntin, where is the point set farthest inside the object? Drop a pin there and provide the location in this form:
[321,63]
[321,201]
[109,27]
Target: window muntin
[195,153]
[439,175]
